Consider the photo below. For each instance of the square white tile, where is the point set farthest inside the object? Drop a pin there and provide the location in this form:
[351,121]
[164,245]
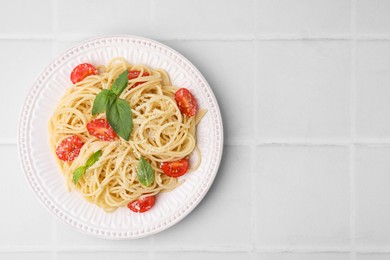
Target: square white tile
[228,68]
[27,255]
[210,19]
[303,17]
[374,256]
[23,61]
[303,196]
[372,16]
[22,215]
[373,92]
[303,90]
[303,256]
[202,255]
[372,197]
[102,255]
[96,17]
[68,237]
[27,17]
[223,218]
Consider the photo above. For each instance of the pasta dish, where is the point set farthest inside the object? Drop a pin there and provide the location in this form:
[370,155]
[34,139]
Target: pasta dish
[122,134]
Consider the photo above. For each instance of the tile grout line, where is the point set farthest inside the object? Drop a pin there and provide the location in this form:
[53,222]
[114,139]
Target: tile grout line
[353,107]
[217,249]
[228,38]
[253,144]
[308,143]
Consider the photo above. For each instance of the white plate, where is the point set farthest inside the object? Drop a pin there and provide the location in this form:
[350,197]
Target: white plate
[44,175]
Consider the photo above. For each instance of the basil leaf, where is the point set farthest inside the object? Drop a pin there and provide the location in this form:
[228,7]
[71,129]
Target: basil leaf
[94,158]
[120,118]
[145,172]
[120,83]
[78,173]
[118,111]
[102,100]
[82,169]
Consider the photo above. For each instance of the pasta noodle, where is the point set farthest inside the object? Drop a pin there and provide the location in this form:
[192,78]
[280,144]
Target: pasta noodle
[161,133]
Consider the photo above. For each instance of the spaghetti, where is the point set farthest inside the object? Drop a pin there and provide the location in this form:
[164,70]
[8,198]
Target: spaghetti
[160,134]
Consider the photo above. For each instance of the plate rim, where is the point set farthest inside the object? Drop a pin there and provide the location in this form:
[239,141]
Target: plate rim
[24,122]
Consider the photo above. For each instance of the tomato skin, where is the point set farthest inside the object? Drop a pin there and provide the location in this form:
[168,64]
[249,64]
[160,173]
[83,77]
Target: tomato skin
[186,102]
[69,148]
[100,128]
[82,71]
[175,169]
[133,74]
[142,204]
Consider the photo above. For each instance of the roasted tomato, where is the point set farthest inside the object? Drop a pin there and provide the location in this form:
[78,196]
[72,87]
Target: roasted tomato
[101,129]
[176,168]
[186,102]
[69,148]
[82,71]
[133,74]
[142,204]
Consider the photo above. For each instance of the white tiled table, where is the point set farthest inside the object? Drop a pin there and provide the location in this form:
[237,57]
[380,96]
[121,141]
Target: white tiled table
[304,91]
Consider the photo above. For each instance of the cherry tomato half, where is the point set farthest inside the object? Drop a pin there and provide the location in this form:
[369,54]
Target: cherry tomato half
[133,74]
[101,129]
[175,169]
[82,71]
[69,148]
[142,204]
[186,102]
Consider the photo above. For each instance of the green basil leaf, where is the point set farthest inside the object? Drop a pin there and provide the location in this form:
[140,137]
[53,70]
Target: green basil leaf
[78,173]
[120,118]
[102,100]
[82,169]
[145,172]
[120,83]
[94,158]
